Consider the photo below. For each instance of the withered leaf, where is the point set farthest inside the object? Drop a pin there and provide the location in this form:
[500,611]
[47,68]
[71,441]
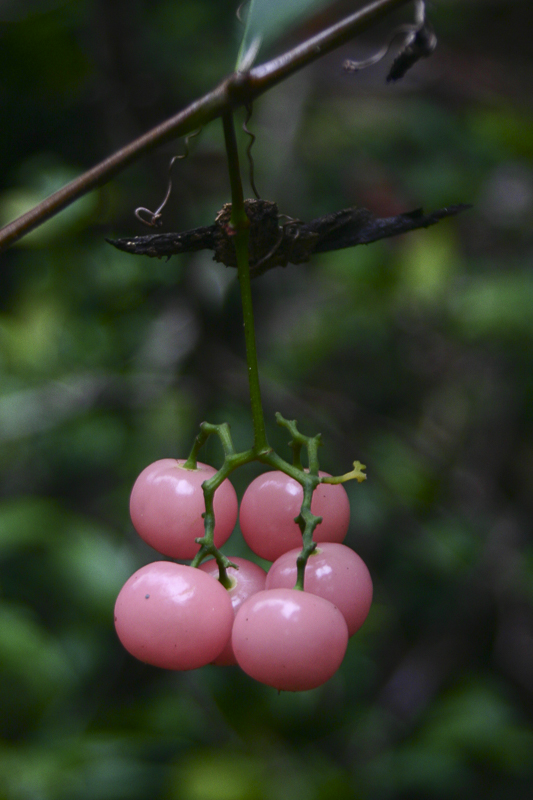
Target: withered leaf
[277,241]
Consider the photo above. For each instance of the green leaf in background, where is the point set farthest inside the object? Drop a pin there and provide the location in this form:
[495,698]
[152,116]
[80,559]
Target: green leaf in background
[38,178]
[219,775]
[268,19]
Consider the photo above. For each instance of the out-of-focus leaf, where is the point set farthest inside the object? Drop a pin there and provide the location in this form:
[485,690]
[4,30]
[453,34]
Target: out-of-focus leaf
[403,470]
[87,767]
[28,521]
[219,775]
[476,721]
[506,127]
[428,264]
[33,336]
[417,768]
[495,305]
[91,568]
[30,657]
[47,176]
[446,549]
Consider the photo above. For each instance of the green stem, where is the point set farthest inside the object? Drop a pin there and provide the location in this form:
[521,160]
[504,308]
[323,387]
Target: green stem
[207,430]
[232,460]
[309,480]
[241,224]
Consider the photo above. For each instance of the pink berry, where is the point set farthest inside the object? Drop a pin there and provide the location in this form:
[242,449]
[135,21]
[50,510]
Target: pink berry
[167,503]
[247,580]
[173,616]
[334,572]
[288,639]
[273,500]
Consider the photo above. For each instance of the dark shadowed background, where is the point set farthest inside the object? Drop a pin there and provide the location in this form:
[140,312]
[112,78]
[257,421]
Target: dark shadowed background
[413,355]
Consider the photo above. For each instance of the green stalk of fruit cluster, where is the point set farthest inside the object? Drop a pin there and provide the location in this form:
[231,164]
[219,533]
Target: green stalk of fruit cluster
[241,225]
[261,451]
[240,222]
[232,460]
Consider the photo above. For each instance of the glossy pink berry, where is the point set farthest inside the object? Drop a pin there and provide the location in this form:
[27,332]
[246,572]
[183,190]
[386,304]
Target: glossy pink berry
[334,572]
[167,503]
[288,639]
[273,500]
[173,616]
[249,579]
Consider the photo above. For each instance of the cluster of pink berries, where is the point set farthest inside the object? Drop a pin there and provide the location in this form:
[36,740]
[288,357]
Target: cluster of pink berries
[179,617]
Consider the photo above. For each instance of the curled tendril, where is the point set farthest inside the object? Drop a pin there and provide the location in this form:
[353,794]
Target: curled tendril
[354,66]
[419,42]
[249,149]
[154,219]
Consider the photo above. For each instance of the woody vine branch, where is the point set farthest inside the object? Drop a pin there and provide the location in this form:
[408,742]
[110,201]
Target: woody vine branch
[238,89]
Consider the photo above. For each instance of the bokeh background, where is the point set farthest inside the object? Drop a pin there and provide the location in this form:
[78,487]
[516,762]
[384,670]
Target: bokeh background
[413,355]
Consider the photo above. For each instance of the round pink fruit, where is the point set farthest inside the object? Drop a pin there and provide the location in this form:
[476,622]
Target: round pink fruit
[173,616]
[273,500]
[247,580]
[167,503]
[334,572]
[288,639]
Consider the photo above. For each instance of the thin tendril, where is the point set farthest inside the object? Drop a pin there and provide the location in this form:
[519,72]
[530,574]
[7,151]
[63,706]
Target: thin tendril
[249,149]
[355,66]
[420,43]
[238,13]
[155,218]
[410,31]
[420,13]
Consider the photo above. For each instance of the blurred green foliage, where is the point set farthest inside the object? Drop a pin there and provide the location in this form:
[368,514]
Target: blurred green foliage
[414,355]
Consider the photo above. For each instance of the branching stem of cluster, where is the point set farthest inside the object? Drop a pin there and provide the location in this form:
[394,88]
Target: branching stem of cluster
[309,480]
